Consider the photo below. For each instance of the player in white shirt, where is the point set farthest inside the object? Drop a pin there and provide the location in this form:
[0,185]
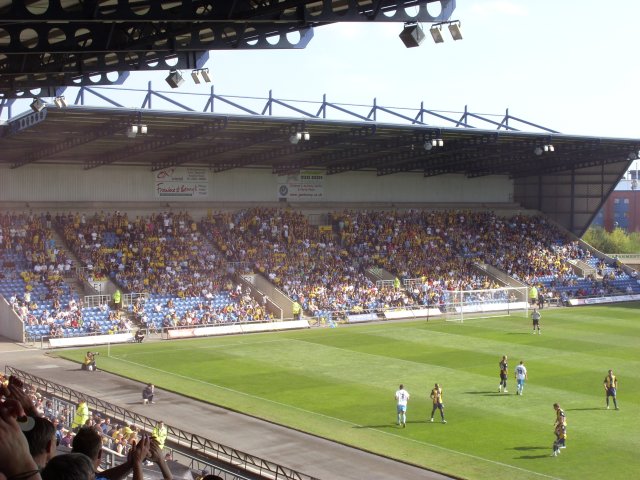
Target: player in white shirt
[402,398]
[521,376]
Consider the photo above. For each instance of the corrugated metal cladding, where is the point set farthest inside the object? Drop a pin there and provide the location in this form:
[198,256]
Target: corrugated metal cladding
[44,183]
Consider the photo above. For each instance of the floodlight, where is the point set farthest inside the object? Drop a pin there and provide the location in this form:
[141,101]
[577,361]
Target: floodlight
[205,75]
[440,142]
[454,30]
[174,79]
[427,145]
[37,105]
[142,129]
[412,35]
[305,136]
[537,151]
[551,148]
[196,77]
[60,102]
[295,138]
[436,33]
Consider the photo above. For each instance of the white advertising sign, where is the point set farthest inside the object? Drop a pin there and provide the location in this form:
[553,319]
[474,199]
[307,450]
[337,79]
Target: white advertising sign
[181,182]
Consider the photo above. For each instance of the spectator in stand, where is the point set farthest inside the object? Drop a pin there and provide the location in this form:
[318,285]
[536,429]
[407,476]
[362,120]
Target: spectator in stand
[67,439]
[89,442]
[42,441]
[15,459]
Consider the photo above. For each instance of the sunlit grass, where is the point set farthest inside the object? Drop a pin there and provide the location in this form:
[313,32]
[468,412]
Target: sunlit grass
[339,383]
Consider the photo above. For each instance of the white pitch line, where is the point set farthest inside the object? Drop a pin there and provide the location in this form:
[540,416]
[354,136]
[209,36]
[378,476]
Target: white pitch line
[337,419]
[205,347]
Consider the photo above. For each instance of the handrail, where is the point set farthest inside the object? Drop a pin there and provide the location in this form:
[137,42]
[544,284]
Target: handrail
[245,461]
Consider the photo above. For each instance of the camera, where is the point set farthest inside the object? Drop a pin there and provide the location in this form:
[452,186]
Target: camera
[95,353]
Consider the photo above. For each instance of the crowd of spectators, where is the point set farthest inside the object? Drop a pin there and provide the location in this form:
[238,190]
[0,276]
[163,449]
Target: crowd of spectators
[163,253]
[325,268]
[32,429]
[303,260]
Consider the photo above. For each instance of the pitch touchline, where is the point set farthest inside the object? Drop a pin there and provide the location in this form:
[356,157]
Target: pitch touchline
[334,418]
[206,347]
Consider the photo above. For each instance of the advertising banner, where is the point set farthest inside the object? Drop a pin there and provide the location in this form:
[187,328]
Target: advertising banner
[308,185]
[181,182]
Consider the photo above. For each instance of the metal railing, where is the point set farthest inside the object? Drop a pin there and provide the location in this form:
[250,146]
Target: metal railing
[251,464]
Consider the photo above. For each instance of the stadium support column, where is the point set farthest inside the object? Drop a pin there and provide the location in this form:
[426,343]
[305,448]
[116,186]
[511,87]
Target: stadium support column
[573,201]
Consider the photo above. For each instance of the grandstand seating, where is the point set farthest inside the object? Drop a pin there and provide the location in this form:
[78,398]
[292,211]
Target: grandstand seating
[170,256]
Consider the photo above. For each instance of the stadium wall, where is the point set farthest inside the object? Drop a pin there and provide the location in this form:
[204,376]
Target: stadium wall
[55,183]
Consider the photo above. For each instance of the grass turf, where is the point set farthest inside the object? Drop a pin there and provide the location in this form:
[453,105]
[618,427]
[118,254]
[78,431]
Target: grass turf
[340,383]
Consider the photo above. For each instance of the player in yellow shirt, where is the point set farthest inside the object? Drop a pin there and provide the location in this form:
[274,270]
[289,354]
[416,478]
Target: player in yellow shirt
[561,419]
[610,388]
[561,438]
[436,396]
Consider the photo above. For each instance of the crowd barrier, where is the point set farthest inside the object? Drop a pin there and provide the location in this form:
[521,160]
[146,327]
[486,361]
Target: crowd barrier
[177,438]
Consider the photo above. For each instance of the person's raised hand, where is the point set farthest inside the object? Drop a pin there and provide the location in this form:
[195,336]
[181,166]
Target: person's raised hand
[141,449]
[155,452]
[17,392]
[15,458]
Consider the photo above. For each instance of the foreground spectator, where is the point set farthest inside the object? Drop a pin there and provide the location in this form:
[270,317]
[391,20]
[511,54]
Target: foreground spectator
[42,441]
[71,466]
[89,442]
[15,459]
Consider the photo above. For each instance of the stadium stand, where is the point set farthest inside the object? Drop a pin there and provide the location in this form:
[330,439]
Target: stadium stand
[185,272]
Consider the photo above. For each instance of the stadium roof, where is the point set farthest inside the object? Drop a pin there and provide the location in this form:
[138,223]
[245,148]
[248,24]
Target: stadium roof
[97,136]
[48,45]
[567,177]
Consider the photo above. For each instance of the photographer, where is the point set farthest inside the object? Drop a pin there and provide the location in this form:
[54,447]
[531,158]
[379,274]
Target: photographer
[89,362]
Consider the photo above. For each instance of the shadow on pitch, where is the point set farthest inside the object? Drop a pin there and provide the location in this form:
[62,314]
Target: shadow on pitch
[529,448]
[488,394]
[583,409]
[533,457]
[389,426]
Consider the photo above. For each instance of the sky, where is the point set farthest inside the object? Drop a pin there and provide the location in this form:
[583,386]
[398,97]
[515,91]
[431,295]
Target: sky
[569,65]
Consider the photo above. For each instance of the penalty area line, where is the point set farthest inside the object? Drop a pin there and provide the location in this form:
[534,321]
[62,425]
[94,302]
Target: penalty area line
[346,422]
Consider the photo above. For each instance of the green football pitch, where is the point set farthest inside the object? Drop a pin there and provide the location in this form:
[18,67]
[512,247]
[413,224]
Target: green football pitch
[339,383]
